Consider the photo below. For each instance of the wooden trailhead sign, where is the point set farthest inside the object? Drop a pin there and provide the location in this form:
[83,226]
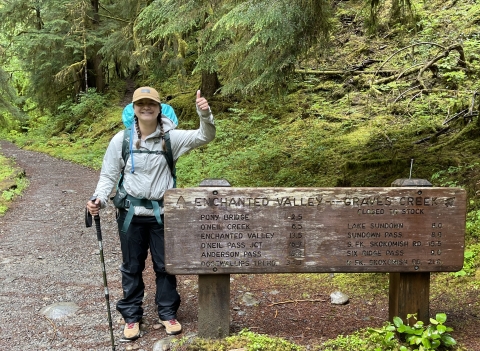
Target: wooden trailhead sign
[223,230]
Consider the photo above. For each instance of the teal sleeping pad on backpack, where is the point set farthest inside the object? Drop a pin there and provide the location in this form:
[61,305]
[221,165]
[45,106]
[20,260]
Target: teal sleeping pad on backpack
[167,110]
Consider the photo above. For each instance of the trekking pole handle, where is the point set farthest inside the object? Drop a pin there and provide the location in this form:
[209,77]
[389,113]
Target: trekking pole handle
[97,226]
[88,219]
[97,221]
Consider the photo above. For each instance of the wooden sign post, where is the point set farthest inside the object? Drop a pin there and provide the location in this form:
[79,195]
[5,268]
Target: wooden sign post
[223,230]
[214,294]
[409,293]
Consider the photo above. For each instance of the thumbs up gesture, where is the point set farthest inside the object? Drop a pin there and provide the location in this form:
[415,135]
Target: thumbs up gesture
[202,103]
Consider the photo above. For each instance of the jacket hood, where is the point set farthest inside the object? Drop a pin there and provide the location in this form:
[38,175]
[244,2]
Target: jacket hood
[168,124]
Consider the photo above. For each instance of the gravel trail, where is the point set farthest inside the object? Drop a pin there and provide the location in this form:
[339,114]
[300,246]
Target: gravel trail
[48,256]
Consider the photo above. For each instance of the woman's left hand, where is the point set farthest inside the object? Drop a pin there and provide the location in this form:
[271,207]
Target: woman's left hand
[202,103]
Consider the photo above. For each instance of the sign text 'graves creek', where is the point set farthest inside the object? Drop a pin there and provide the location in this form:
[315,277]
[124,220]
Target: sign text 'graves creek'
[278,230]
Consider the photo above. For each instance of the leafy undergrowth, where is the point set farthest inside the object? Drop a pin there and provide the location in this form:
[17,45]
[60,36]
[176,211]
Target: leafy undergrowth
[12,183]
[296,308]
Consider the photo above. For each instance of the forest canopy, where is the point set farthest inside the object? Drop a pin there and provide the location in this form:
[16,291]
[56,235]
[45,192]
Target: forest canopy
[52,51]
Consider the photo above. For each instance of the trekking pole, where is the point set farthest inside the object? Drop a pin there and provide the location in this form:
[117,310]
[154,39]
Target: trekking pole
[88,222]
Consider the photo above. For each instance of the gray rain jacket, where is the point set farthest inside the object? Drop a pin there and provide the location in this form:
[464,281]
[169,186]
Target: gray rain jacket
[152,176]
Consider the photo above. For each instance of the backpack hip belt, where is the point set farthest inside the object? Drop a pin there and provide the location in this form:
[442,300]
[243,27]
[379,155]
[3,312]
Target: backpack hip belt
[131,202]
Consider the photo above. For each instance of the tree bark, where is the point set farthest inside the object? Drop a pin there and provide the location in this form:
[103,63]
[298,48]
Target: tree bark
[97,59]
[99,73]
[210,84]
[38,18]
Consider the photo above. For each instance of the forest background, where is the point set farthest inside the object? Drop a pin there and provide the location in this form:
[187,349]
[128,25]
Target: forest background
[305,93]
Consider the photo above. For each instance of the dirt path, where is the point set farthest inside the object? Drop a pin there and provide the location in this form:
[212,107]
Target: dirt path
[47,256]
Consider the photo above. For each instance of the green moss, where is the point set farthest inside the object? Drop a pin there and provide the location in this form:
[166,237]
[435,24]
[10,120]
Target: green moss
[362,285]
[12,183]
[244,340]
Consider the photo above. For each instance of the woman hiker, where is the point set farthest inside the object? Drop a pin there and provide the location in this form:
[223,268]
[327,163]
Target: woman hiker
[145,176]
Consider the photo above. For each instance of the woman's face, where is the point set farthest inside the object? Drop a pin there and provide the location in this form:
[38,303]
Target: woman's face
[146,110]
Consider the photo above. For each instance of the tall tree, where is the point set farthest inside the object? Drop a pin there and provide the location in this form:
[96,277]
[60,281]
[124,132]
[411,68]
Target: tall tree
[123,49]
[257,42]
[97,57]
[54,46]
[33,39]
[178,31]
[8,100]
[251,44]
[400,11]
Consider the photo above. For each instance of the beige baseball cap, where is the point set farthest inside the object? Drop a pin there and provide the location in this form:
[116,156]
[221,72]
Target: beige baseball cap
[146,93]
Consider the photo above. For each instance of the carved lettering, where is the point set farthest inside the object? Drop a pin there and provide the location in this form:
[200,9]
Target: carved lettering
[386,225]
[367,235]
[286,230]
[260,235]
[356,225]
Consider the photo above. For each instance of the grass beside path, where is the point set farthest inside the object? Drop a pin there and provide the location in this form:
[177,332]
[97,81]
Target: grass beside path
[12,182]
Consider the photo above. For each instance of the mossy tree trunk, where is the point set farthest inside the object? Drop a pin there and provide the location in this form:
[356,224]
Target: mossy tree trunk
[210,84]
[97,58]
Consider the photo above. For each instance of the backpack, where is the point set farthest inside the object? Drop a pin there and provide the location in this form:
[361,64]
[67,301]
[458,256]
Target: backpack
[121,198]
[167,111]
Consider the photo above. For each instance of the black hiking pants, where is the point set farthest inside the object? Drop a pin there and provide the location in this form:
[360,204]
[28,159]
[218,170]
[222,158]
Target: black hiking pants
[142,234]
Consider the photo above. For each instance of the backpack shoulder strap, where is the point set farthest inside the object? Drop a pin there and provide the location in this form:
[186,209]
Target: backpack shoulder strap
[125,145]
[169,158]
[168,152]
[125,153]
